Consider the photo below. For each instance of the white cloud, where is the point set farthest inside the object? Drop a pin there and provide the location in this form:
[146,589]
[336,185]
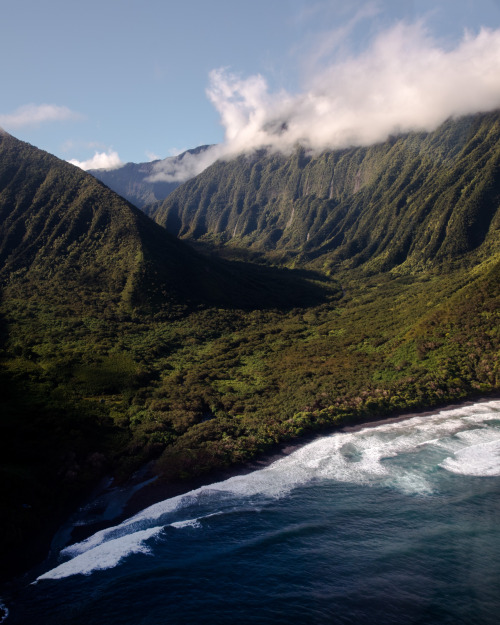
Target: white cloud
[403,82]
[34,114]
[152,156]
[100,160]
[186,166]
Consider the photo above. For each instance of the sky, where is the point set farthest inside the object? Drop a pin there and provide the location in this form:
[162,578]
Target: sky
[112,81]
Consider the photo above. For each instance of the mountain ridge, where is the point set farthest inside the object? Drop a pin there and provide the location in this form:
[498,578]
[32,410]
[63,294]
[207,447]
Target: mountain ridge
[405,204]
[62,230]
[132,180]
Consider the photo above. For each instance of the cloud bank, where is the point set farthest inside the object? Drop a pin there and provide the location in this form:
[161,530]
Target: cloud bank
[34,114]
[100,160]
[404,82]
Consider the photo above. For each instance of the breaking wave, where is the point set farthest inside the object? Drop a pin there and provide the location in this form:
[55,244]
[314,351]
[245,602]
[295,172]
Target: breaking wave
[413,455]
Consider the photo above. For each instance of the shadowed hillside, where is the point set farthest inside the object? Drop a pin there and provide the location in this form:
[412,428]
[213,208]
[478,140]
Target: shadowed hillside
[65,236]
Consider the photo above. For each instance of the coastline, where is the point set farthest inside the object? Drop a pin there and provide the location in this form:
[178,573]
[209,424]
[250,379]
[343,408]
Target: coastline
[144,489]
[159,491]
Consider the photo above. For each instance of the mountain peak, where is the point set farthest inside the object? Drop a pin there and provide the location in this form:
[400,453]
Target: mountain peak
[67,237]
[152,181]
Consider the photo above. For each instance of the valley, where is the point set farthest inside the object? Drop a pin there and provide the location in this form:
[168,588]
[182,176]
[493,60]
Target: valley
[273,297]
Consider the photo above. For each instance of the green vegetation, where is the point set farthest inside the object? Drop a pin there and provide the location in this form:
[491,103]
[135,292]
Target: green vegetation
[405,204]
[122,345]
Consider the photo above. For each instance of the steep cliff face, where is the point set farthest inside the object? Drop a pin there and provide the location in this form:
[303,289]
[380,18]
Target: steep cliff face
[410,202]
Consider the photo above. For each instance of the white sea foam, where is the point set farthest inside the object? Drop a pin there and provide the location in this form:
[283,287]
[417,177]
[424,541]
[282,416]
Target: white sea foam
[482,459]
[188,523]
[403,455]
[134,524]
[105,556]
[3,607]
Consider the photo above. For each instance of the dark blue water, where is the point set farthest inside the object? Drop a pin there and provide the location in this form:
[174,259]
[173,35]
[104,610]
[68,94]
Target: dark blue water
[398,523]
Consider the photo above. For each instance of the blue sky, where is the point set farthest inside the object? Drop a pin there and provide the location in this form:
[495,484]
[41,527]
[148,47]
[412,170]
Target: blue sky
[131,77]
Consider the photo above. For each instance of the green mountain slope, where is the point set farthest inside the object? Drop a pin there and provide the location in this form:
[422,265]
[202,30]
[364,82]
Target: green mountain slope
[66,237]
[408,203]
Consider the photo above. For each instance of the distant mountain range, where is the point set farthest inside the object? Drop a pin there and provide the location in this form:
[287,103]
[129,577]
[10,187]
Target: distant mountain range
[132,181]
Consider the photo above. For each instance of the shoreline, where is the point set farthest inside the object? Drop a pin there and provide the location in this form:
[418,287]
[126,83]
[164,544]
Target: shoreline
[145,489]
[159,491]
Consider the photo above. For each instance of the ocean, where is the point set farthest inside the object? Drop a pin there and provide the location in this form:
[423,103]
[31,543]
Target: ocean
[396,522]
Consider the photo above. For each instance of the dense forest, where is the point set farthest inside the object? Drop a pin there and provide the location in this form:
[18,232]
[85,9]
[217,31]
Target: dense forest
[309,291]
